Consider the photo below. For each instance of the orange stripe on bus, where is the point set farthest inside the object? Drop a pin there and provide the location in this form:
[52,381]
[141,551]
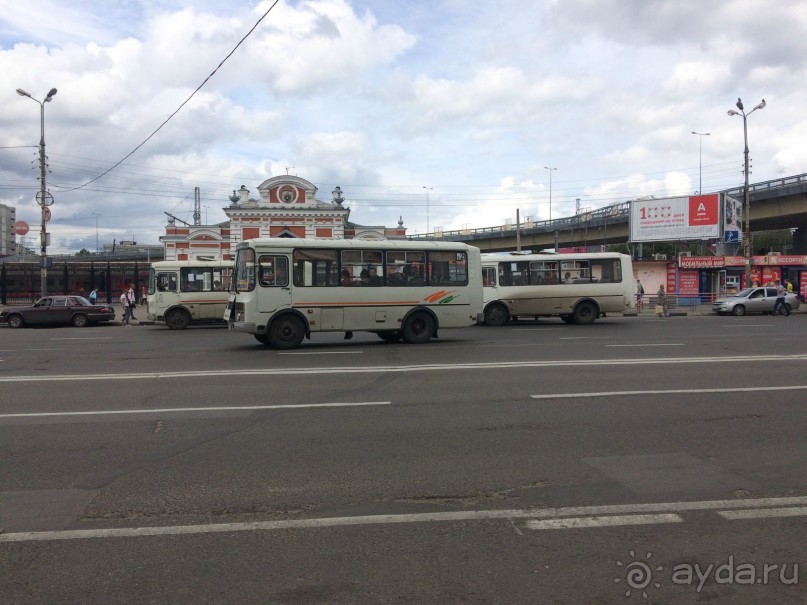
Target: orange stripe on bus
[367,303]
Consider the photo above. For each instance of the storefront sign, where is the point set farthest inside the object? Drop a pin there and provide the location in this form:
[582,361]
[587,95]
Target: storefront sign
[701,262]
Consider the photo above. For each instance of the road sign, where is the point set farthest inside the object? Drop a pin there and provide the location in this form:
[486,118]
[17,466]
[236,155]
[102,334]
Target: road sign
[20,228]
[731,237]
[46,215]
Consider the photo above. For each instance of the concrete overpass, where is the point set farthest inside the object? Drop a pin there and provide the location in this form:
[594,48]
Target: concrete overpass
[776,204]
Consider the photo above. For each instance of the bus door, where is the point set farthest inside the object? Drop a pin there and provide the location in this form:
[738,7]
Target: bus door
[274,283]
[165,290]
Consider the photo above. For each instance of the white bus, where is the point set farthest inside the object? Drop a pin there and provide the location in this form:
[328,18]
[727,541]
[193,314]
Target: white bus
[578,288]
[285,289]
[181,292]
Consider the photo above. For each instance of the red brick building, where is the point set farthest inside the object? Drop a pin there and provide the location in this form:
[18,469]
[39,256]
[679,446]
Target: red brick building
[286,206]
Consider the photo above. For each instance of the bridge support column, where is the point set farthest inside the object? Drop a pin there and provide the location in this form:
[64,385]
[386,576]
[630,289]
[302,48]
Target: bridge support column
[800,240]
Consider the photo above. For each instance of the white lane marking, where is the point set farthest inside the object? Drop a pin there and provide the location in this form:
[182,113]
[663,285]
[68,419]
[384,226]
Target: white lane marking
[471,515]
[651,344]
[609,521]
[670,392]
[322,353]
[20,350]
[207,409]
[85,338]
[413,368]
[584,338]
[763,513]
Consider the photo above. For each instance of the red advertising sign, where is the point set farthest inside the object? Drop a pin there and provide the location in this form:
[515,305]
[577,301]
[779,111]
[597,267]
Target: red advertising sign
[703,210]
[670,278]
[688,283]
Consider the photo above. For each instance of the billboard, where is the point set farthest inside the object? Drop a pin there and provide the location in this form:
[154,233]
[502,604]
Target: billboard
[732,223]
[675,218]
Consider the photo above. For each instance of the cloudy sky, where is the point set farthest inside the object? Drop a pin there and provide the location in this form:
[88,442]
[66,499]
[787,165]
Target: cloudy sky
[384,98]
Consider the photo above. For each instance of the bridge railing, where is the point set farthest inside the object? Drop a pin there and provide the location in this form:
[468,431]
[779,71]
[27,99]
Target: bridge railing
[593,218]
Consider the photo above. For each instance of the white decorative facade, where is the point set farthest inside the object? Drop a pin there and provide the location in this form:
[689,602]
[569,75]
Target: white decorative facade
[286,207]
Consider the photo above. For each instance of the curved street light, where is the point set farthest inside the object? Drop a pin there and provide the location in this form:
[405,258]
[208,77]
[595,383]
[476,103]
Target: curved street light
[550,191]
[747,219]
[43,270]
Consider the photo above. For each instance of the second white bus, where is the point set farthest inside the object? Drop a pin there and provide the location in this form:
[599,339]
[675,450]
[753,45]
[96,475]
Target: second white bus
[286,289]
[578,288]
[185,292]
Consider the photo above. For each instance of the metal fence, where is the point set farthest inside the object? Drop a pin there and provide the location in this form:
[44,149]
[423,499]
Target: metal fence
[20,282]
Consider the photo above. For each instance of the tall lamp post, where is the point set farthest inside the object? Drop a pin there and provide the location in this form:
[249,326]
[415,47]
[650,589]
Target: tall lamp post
[700,158]
[747,218]
[550,190]
[43,270]
[96,231]
[427,207]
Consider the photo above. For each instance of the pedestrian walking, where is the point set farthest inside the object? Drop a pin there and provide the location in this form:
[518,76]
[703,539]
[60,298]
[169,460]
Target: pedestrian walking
[94,296]
[126,306]
[639,296]
[130,294]
[781,292]
[662,302]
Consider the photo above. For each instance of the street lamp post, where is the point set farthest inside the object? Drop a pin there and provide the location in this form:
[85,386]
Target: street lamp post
[700,158]
[43,270]
[550,190]
[427,207]
[96,231]
[747,218]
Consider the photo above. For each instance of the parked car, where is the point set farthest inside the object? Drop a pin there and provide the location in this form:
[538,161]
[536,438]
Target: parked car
[53,310]
[753,300]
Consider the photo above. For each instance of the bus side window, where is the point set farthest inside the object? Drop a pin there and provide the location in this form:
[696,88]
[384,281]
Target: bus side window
[167,282]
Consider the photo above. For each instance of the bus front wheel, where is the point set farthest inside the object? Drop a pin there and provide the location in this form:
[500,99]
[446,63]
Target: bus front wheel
[286,332]
[585,314]
[496,315]
[262,338]
[418,328]
[177,319]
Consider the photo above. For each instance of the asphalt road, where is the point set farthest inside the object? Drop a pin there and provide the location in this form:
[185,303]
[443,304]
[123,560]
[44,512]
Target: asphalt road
[638,460]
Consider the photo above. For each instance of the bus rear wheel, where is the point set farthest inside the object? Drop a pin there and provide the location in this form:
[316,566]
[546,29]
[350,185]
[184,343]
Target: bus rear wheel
[496,315]
[286,332]
[262,338]
[389,335]
[567,319]
[585,314]
[177,319]
[418,328]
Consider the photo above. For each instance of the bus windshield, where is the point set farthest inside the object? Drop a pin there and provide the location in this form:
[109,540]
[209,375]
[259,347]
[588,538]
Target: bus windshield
[245,270]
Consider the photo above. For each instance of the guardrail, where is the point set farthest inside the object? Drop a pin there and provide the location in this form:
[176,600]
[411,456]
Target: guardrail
[767,185]
[593,218]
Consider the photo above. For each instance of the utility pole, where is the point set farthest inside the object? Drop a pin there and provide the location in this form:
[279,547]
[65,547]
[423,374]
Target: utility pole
[43,190]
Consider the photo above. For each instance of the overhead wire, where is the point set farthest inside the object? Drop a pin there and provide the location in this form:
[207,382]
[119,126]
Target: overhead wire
[168,119]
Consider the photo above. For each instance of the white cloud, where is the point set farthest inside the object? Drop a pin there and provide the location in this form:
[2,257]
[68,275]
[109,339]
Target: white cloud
[385,98]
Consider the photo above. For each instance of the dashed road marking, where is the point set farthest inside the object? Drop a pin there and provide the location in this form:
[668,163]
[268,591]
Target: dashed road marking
[234,408]
[639,513]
